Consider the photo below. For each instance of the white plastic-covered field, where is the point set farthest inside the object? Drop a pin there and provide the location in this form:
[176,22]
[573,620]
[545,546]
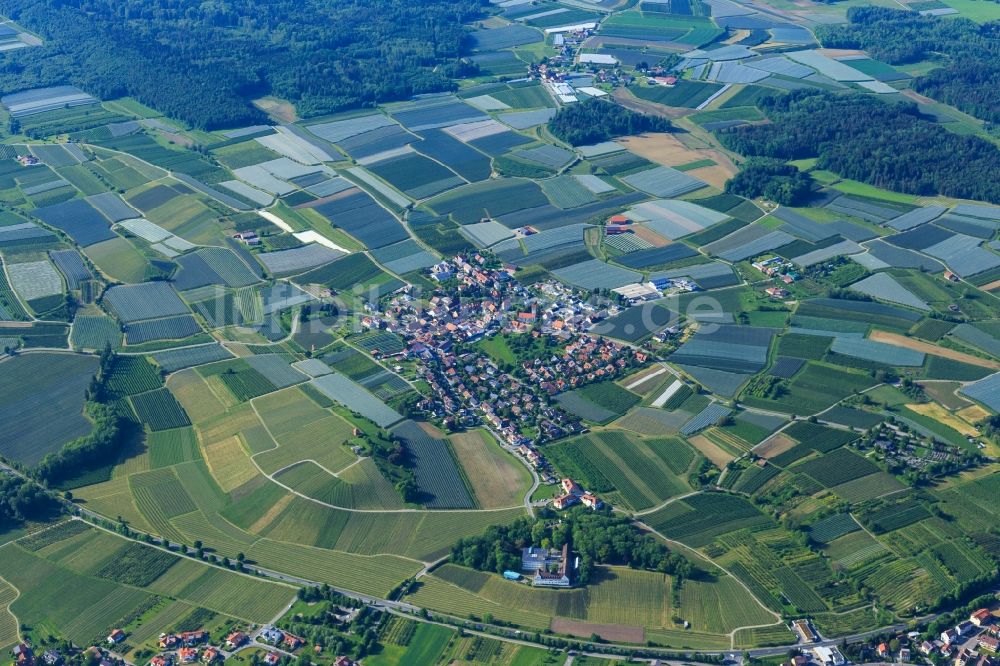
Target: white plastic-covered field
[477,130]
[35,279]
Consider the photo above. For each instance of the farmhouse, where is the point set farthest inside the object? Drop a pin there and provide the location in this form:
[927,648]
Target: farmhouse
[210,655]
[235,639]
[187,655]
[161,660]
[981,617]
[272,658]
[116,636]
[777,292]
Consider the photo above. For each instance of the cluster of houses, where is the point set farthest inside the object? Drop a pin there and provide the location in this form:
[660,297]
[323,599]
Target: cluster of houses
[972,642]
[187,647]
[24,655]
[275,636]
[480,299]
[572,494]
[902,449]
[778,268]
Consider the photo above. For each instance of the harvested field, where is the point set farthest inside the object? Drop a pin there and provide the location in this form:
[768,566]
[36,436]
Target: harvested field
[774,446]
[497,479]
[933,350]
[941,415]
[609,632]
[719,456]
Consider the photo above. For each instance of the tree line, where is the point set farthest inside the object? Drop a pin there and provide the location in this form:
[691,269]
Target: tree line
[202,62]
[885,144]
[970,76]
[596,120]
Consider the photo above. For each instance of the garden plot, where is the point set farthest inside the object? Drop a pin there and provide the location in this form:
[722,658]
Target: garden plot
[708,276]
[381,188]
[342,390]
[338,130]
[486,103]
[963,255]
[277,369]
[782,66]
[505,37]
[434,112]
[801,226]
[898,257]
[95,333]
[866,210]
[251,193]
[167,328]
[41,403]
[674,218]
[282,296]
[736,349]
[492,198]
[179,359]
[986,391]
[826,253]
[734,72]
[968,333]
[437,474]
[522,120]
[567,192]
[547,155]
[595,274]
[25,233]
[626,243]
[464,160]
[286,141]
[54,155]
[358,214]
[664,182]
[404,257]
[976,210]
[486,234]
[885,288]
[415,175]
[262,179]
[748,242]
[35,279]
[709,416]
[78,219]
[600,149]
[915,217]
[657,256]
[595,184]
[213,265]
[329,187]
[371,146]
[970,226]
[667,393]
[547,217]
[70,264]
[481,129]
[40,100]
[828,67]
[878,352]
[150,300]
[112,206]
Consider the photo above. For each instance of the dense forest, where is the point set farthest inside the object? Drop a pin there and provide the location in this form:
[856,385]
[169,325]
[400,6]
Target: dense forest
[596,120]
[969,78]
[22,500]
[885,144]
[597,538]
[202,62]
[773,180]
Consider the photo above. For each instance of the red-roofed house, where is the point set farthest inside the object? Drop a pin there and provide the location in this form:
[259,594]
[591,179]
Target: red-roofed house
[981,617]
